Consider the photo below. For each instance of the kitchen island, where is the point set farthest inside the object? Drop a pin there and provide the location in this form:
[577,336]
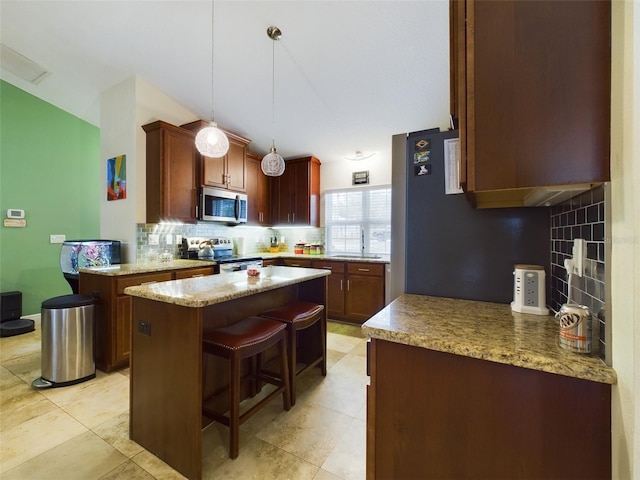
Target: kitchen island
[167,381]
[466,389]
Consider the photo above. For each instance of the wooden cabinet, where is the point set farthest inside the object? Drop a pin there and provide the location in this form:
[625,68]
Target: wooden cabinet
[296,194]
[258,192]
[356,290]
[271,261]
[227,172]
[113,311]
[171,173]
[438,415]
[531,89]
[297,262]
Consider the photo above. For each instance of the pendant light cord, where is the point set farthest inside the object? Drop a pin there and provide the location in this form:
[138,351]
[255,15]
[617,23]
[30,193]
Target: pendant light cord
[273,93]
[212,56]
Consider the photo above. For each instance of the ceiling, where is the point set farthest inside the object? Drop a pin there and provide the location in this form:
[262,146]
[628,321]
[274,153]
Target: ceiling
[348,74]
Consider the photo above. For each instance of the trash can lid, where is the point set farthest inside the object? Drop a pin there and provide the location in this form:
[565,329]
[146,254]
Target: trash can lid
[67,301]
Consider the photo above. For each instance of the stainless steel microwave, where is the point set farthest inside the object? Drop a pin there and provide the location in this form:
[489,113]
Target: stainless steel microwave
[218,205]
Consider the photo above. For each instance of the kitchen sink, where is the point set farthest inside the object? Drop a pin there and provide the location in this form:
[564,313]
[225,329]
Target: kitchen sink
[356,256]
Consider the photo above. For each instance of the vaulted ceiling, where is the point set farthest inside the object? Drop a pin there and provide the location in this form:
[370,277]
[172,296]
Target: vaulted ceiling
[348,74]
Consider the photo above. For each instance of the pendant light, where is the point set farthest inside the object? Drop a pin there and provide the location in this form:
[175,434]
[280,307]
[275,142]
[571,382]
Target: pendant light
[273,164]
[211,141]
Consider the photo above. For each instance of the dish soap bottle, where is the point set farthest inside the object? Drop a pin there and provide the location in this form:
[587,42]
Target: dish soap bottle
[283,244]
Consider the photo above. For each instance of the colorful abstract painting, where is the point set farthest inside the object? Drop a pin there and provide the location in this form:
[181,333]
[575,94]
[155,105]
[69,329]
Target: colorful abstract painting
[117,178]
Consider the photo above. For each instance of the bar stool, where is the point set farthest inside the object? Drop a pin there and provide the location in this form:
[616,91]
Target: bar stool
[247,338]
[299,316]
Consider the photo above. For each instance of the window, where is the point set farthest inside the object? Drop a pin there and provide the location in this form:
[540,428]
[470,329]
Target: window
[353,214]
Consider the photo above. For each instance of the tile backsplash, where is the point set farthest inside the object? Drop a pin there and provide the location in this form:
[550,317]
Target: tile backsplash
[583,217]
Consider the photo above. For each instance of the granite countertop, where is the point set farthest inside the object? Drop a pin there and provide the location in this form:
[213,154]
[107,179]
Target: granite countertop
[487,331]
[147,267]
[336,258]
[211,289]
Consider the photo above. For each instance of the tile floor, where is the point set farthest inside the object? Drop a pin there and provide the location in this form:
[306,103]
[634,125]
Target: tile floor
[81,431]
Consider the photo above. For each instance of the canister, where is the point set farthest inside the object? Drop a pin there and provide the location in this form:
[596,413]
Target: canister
[298,248]
[575,328]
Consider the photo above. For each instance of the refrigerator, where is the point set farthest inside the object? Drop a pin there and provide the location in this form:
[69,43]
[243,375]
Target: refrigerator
[445,247]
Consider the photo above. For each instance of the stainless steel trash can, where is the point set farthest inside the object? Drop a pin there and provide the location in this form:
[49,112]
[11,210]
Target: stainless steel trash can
[67,336]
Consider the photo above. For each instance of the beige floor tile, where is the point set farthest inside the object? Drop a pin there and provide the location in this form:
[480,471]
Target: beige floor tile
[345,329]
[116,433]
[29,439]
[95,401]
[26,367]
[307,431]
[20,403]
[20,345]
[129,470]
[341,343]
[262,461]
[348,459]
[85,457]
[339,393]
[324,475]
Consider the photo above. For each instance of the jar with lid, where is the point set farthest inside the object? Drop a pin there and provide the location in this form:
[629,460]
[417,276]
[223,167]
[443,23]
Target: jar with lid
[298,248]
[306,249]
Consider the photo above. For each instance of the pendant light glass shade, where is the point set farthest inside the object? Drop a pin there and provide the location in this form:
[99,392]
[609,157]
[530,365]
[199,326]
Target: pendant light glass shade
[212,142]
[272,164]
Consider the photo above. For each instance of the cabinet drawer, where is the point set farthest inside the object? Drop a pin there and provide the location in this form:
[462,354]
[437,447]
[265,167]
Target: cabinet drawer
[335,267]
[294,262]
[359,268]
[133,280]
[194,272]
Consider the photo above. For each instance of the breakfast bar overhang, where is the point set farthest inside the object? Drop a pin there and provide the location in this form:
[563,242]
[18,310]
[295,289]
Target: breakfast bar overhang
[166,367]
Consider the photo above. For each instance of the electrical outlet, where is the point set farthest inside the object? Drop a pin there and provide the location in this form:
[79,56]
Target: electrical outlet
[57,238]
[154,239]
[178,239]
[169,239]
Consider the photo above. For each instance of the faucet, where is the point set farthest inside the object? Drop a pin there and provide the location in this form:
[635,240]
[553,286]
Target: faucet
[362,242]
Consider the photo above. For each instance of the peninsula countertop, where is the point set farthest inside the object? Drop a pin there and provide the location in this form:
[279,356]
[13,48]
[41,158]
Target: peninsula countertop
[487,331]
[212,289]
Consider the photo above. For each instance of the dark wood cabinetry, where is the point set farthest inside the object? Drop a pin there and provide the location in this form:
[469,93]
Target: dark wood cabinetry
[356,290]
[171,173]
[531,89]
[438,415]
[296,194]
[258,192]
[227,172]
[113,313]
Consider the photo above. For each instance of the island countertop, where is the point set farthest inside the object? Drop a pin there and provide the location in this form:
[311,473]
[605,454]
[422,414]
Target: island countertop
[486,331]
[212,289]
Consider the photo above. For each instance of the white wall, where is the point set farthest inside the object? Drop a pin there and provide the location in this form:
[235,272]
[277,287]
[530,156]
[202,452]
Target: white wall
[625,238]
[124,109]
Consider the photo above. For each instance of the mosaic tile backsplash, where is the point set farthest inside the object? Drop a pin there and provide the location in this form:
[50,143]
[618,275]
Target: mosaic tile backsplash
[581,217]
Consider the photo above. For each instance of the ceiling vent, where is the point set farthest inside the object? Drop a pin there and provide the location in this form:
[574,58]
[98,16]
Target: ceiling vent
[21,66]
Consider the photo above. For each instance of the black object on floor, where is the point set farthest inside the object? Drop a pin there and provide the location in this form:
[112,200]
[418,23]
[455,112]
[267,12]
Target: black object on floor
[16,327]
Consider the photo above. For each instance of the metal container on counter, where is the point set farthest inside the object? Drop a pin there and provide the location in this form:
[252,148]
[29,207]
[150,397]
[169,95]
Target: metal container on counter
[575,328]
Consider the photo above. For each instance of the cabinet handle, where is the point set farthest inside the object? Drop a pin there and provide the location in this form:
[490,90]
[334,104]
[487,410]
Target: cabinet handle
[198,275]
[364,270]
[294,264]
[348,285]
[340,285]
[293,219]
[228,179]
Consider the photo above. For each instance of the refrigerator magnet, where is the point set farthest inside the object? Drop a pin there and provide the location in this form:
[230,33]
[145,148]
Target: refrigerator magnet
[421,157]
[423,169]
[421,144]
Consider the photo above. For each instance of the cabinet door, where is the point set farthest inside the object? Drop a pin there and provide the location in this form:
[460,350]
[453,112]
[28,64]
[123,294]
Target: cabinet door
[284,186]
[236,166]
[122,334]
[258,192]
[296,193]
[537,99]
[335,296]
[365,296]
[213,172]
[171,173]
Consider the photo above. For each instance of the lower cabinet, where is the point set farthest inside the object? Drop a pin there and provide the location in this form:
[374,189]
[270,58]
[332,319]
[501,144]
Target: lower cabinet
[438,415]
[113,311]
[356,289]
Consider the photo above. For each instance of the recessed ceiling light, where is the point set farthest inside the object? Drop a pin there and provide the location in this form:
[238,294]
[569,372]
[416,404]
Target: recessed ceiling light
[359,156]
[22,66]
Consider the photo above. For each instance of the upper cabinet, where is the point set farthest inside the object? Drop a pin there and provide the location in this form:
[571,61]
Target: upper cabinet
[258,192]
[531,90]
[296,193]
[227,172]
[171,173]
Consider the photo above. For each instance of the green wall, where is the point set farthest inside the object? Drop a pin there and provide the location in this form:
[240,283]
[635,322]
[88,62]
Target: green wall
[50,168]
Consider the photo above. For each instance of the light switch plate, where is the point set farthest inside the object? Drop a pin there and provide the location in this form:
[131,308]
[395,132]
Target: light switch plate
[57,238]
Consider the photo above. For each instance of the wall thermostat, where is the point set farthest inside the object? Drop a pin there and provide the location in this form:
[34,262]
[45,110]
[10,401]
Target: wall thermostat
[15,213]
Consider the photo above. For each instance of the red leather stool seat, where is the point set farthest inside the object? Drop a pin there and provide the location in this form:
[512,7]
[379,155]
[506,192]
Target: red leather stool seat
[247,338]
[298,316]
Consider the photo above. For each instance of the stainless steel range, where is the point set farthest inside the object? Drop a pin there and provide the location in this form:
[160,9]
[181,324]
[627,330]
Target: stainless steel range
[219,250]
